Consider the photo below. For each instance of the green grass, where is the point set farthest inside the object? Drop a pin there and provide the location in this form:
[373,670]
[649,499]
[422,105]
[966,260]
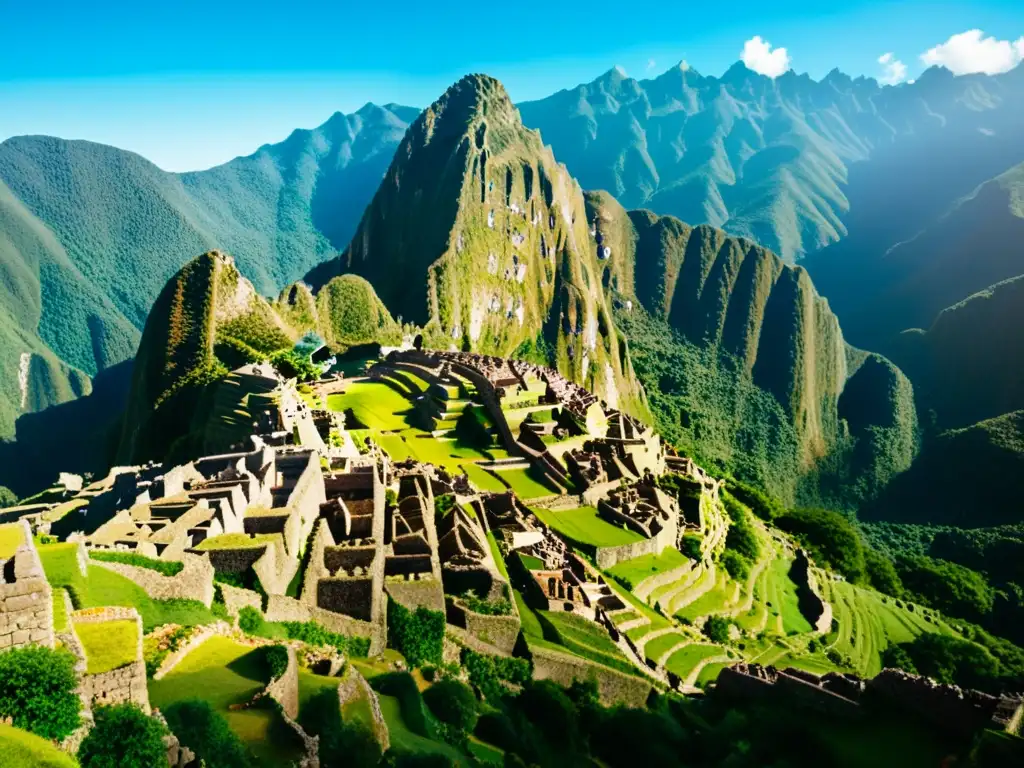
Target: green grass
[486,753]
[783,596]
[639,568]
[709,673]
[583,638]
[659,646]
[311,684]
[60,616]
[224,672]
[237,541]
[403,738]
[498,559]
[21,749]
[715,600]
[584,526]
[12,536]
[375,405]
[686,658]
[102,588]
[108,644]
[525,483]
[483,479]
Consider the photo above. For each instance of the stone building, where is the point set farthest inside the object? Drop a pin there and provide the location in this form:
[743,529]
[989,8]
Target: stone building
[26,604]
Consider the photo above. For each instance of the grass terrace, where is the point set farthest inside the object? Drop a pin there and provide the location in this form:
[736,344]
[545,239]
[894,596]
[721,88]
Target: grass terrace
[100,587]
[12,536]
[224,672]
[634,571]
[108,644]
[584,526]
[484,479]
[238,541]
[402,737]
[583,638]
[686,659]
[526,483]
[21,749]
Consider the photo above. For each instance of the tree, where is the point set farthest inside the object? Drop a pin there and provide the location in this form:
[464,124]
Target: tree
[830,537]
[341,744]
[124,737]
[717,629]
[205,731]
[951,588]
[7,497]
[453,703]
[38,691]
[882,574]
[950,660]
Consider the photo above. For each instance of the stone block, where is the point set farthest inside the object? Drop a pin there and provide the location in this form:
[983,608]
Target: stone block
[21,602]
[21,636]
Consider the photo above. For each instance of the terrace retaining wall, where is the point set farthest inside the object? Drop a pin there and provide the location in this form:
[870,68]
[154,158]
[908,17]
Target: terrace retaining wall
[613,687]
[236,598]
[124,684]
[193,582]
[26,598]
[498,631]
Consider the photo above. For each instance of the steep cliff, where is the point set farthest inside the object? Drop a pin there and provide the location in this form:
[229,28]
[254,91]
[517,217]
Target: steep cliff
[479,235]
[761,380]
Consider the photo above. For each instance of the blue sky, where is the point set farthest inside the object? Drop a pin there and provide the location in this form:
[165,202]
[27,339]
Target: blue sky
[192,84]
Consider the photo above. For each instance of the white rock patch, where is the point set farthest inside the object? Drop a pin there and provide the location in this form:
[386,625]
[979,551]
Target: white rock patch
[23,364]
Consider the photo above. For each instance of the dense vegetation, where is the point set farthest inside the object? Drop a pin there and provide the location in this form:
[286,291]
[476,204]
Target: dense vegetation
[123,737]
[38,691]
[418,635]
[205,731]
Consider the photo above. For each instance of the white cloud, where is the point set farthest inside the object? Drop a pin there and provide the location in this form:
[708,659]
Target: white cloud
[758,55]
[651,64]
[971,51]
[893,70]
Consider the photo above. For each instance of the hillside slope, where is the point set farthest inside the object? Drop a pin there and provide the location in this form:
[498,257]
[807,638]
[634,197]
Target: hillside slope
[89,235]
[745,363]
[787,162]
[973,245]
[478,234]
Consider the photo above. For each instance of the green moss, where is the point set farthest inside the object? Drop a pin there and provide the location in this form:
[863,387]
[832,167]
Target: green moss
[109,644]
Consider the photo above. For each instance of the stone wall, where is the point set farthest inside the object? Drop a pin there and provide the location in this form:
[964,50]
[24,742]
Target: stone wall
[26,604]
[283,608]
[236,598]
[413,594]
[499,631]
[234,560]
[200,636]
[651,583]
[285,689]
[607,557]
[127,683]
[613,687]
[193,582]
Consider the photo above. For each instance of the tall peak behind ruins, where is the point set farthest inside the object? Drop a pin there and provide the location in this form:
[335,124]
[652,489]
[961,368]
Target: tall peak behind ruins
[479,235]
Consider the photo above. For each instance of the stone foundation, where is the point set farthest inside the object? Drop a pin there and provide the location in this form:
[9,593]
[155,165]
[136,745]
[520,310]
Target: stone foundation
[26,604]
[194,582]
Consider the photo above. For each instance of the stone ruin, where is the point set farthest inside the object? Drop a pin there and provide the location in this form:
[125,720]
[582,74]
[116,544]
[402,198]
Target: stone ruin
[944,706]
[644,508]
[26,604]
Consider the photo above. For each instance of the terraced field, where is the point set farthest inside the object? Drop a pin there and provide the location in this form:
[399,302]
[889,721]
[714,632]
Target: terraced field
[868,623]
[583,525]
[634,571]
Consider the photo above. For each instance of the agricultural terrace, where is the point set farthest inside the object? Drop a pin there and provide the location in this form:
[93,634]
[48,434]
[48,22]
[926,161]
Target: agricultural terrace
[100,587]
[108,644]
[21,749]
[223,673]
[583,526]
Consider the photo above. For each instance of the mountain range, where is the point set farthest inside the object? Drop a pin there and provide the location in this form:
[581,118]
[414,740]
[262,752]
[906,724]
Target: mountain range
[902,205]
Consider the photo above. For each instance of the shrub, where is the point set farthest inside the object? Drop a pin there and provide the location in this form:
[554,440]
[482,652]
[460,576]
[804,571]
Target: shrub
[38,691]
[124,737]
[737,565]
[488,672]
[7,497]
[881,573]
[293,366]
[742,536]
[249,620]
[453,703]
[760,503]
[312,633]
[276,657]
[418,636]
[717,629]
[164,567]
[350,744]
[948,659]
[205,731]
[830,538]
[690,546]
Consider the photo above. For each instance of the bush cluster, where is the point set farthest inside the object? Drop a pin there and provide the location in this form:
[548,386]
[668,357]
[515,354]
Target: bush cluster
[418,635]
[123,737]
[205,731]
[38,691]
[276,658]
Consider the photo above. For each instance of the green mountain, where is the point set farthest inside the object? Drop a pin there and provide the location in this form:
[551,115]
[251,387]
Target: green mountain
[791,163]
[89,235]
[479,236]
[881,292]
[745,364]
[209,319]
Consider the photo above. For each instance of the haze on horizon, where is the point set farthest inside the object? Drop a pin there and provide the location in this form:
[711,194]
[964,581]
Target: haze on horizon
[212,83]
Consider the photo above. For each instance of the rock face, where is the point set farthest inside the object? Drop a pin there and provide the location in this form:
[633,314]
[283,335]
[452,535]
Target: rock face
[752,318]
[208,320]
[479,235]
